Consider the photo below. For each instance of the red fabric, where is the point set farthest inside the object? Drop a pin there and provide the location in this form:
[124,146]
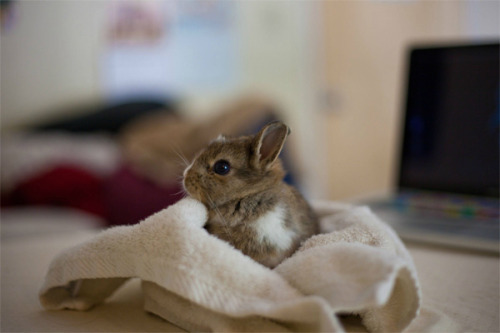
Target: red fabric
[121,198]
[63,185]
[131,198]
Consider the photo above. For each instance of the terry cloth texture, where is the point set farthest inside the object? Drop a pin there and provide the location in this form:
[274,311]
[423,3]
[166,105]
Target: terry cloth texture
[357,266]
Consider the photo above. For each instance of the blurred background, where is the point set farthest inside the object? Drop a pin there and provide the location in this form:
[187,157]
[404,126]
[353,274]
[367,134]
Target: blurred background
[100,100]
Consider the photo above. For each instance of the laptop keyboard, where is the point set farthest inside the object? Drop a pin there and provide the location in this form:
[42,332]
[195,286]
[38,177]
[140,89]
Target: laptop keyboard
[448,206]
[439,218]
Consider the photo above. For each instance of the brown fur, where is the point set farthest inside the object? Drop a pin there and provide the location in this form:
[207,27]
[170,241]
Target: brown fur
[253,187]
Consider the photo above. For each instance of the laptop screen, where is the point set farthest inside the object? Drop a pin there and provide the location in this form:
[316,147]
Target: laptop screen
[451,129]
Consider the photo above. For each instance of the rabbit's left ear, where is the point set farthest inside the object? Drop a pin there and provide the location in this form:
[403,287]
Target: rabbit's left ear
[268,143]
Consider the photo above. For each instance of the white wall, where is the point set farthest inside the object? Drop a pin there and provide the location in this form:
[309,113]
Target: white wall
[49,58]
[482,19]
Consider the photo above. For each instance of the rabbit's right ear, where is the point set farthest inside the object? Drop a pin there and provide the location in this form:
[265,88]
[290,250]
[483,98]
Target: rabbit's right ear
[268,144]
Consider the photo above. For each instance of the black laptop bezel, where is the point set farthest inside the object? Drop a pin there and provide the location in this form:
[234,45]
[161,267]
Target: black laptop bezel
[402,184]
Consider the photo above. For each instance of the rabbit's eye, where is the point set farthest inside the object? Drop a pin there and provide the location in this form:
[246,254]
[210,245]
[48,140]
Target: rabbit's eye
[222,167]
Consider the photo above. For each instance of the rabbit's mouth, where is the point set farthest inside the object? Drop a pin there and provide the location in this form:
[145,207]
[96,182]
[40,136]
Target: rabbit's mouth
[194,191]
[190,189]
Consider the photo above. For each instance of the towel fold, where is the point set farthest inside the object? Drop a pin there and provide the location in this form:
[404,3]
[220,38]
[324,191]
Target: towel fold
[357,266]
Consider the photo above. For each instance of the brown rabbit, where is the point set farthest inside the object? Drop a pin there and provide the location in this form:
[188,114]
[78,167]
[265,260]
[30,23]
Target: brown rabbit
[240,181]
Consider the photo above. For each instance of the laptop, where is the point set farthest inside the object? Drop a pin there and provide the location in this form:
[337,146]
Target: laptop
[448,179]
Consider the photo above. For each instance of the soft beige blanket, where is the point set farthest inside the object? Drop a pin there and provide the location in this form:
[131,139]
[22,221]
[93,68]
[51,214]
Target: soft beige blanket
[357,266]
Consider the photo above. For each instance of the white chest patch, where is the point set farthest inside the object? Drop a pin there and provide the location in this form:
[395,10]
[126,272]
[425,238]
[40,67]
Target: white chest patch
[271,228]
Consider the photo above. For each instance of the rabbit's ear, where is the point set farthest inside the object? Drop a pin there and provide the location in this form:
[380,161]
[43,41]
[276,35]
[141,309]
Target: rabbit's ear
[268,144]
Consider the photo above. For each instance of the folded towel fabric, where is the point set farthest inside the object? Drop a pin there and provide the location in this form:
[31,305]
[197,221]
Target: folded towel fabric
[356,266]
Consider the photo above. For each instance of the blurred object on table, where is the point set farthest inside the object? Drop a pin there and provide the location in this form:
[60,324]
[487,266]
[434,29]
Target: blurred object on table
[160,146]
[107,118]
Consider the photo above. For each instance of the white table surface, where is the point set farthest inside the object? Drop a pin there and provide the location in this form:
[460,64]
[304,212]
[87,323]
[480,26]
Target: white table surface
[461,284]
[460,288]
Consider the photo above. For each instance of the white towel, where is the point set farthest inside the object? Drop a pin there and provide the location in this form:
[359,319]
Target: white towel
[357,266]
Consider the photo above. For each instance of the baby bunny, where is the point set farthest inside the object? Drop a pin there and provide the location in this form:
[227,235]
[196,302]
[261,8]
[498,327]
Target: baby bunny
[240,181]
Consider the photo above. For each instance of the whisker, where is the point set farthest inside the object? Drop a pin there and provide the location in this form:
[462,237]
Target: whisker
[226,227]
[181,191]
[180,163]
[179,153]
